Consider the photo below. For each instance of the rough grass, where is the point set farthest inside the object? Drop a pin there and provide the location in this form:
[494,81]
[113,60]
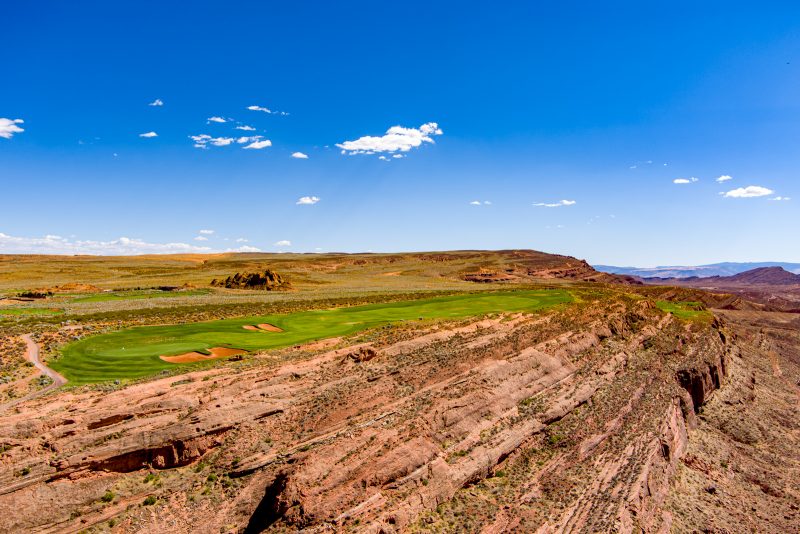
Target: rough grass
[134,352]
[687,310]
[137,295]
[30,311]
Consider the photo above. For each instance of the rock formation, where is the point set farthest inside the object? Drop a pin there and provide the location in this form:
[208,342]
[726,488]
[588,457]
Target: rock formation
[579,420]
[269,280]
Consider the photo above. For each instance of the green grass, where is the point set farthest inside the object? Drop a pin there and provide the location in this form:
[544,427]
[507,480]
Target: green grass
[139,294]
[134,352]
[30,311]
[690,311]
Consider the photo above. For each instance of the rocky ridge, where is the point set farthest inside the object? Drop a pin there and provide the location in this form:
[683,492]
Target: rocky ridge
[577,420]
[521,268]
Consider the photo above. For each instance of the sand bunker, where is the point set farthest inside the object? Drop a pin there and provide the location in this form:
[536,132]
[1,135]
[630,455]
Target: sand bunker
[191,357]
[263,327]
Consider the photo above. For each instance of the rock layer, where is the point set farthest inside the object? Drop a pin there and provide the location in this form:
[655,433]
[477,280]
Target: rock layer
[575,420]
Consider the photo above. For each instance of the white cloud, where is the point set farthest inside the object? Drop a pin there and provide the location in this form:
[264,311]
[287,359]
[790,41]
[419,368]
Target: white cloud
[201,238]
[681,181]
[206,232]
[556,204]
[724,178]
[148,135]
[53,244]
[396,139]
[479,203]
[203,140]
[250,139]
[258,145]
[266,110]
[750,191]
[242,240]
[8,127]
[307,200]
[217,119]
[283,243]
[256,142]
[399,156]
[781,198]
[383,158]
[299,155]
[246,128]
[157,102]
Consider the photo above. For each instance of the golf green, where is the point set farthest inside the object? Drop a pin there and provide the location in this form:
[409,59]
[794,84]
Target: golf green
[134,352]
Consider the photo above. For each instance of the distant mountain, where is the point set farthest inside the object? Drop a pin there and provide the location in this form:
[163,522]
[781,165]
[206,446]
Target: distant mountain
[700,271]
[765,275]
[774,287]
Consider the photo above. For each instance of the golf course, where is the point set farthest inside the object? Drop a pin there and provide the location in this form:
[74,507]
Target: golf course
[136,352]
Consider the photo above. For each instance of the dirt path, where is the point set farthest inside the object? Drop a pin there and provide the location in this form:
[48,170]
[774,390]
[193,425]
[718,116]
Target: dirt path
[32,355]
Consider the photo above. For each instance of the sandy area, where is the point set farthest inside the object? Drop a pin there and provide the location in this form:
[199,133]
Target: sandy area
[191,357]
[321,344]
[263,327]
[11,301]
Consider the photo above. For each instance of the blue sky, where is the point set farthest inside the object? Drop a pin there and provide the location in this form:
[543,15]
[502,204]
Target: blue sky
[572,120]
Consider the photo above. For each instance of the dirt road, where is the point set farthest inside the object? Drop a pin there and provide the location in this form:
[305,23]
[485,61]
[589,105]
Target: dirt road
[32,355]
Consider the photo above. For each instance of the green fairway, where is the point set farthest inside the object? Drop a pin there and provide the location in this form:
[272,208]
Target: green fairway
[134,353]
[685,310]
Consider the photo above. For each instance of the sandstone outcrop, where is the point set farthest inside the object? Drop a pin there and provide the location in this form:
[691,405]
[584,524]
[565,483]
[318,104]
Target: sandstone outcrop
[561,267]
[269,280]
[571,421]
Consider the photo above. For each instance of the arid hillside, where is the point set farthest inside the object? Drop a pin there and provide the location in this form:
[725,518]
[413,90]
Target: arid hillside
[620,409]
[302,270]
[774,287]
[581,420]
